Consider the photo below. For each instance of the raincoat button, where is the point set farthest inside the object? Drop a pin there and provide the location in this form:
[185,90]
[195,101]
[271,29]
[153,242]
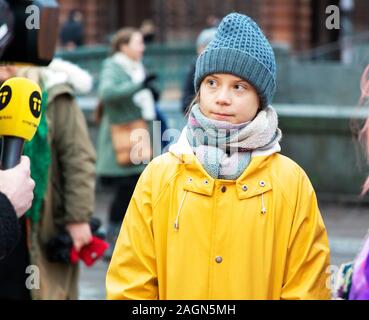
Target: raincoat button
[206,182]
[189,179]
[262,184]
[218,259]
[224,189]
[244,187]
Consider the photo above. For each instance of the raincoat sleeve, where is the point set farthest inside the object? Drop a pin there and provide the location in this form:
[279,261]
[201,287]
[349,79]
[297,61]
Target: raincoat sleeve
[306,276]
[132,271]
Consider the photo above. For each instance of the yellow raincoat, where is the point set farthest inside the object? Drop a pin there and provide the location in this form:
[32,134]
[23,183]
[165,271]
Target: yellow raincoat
[189,236]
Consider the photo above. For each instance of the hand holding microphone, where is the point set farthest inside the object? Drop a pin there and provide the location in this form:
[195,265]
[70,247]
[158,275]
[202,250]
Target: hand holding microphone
[18,186]
[20,114]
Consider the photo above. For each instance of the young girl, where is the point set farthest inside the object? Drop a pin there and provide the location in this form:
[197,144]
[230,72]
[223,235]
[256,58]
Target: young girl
[222,215]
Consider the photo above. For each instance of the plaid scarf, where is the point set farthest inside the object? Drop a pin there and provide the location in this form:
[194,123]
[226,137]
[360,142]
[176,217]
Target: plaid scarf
[224,149]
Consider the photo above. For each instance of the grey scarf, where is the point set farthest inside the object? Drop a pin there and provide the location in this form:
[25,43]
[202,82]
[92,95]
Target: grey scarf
[224,149]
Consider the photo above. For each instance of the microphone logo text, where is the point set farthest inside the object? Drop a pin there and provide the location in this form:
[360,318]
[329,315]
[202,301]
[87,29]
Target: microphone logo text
[5,96]
[35,104]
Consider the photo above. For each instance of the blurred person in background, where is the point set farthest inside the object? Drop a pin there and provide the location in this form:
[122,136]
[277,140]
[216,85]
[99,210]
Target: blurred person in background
[63,167]
[126,98]
[353,277]
[72,31]
[202,41]
[148,30]
[212,21]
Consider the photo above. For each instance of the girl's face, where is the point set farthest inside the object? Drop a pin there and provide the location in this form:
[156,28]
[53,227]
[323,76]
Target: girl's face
[135,47]
[226,97]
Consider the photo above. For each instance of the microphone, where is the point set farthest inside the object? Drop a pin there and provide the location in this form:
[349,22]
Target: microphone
[20,114]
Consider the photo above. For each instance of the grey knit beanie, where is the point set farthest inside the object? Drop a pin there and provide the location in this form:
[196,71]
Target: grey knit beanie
[240,48]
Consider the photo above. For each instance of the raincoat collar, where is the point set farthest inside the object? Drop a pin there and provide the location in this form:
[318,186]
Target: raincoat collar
[253,181]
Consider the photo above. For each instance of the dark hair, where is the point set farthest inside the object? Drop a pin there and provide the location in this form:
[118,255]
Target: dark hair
[121,37]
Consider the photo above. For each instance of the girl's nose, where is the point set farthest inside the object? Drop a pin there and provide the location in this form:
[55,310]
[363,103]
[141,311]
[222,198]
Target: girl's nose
[223,97]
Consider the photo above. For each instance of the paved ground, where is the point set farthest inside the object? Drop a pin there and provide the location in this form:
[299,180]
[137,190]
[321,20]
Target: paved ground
[346,225]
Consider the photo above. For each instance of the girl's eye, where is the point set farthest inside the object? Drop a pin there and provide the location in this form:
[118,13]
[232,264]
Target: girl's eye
[239,87]
[212,83]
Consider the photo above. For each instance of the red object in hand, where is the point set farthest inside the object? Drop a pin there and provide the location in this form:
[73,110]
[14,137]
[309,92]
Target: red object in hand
[90,252]
[73,255]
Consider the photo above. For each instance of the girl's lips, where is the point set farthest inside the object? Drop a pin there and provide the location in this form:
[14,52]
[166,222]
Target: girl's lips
[221,115]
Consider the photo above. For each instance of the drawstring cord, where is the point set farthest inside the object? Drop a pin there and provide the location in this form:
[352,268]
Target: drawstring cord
[176,223]
[263,209]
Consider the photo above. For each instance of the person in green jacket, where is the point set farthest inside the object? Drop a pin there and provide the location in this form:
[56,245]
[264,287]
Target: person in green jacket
[125,95]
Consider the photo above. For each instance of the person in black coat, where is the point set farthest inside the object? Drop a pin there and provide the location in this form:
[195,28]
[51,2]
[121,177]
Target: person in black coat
[9,228]
[16,184]
[16,195]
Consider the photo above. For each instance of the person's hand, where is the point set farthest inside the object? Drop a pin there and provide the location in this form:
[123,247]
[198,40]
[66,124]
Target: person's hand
[148,79]
[7,72]
[80,233]
[17,185]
